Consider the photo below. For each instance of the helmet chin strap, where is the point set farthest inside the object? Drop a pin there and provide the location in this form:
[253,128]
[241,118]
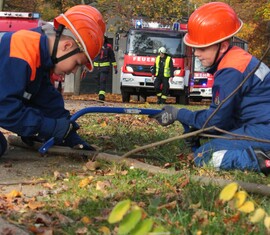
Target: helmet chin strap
[213,67]
[58,34]
[217,54]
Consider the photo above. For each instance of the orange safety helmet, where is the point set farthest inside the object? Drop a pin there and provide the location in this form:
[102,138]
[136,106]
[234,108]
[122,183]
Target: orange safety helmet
[87,27]
[92,12]
[211,23]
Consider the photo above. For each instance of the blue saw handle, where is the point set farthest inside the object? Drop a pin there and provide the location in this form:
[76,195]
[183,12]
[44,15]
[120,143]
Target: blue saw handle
[44,148]
[121,110]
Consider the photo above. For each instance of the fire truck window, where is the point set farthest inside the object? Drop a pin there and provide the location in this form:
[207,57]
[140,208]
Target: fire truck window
[198,65]
[145,43]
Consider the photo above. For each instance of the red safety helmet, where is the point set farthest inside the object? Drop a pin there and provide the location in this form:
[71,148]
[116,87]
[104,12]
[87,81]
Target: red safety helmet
[87,27]
[211,23]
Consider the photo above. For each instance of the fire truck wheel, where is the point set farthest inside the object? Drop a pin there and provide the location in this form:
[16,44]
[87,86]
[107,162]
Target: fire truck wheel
[182,99]
[125,97]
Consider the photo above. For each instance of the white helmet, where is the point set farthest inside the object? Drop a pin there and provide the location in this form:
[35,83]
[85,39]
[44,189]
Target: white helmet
[162,50]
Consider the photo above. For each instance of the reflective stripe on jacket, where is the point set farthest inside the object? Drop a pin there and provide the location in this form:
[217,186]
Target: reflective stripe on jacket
[105,58]
[102,64]
[166,66]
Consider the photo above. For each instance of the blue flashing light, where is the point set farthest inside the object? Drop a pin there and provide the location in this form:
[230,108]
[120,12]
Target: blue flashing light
[204,84]
[36,15]
[176,26]
[140,68]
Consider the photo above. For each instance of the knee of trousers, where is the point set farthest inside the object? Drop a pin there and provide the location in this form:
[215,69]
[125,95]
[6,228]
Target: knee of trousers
[202,155]
[3,144]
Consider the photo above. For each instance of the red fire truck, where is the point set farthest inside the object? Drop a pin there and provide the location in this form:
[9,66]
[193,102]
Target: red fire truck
[201,82]
[142,43]
[13,21]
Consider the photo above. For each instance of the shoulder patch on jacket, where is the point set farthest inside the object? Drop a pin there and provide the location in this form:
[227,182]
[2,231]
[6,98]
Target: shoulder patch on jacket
[216,98]
[236,58]
[25,45]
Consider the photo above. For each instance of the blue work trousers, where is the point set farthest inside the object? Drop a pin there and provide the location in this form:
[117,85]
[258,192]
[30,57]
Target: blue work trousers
[229,154]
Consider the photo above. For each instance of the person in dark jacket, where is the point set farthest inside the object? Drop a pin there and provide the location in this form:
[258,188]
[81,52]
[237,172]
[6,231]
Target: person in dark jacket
[239,106]
[102,67]
[163,71]
[30,105]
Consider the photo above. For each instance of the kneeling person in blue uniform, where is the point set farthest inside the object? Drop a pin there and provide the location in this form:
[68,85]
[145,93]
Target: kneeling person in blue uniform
[246,112]
[30,106]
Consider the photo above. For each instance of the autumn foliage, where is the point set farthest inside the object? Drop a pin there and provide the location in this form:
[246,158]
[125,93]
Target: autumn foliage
[255,14]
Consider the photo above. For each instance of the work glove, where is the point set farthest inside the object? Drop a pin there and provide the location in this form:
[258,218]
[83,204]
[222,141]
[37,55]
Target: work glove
[168,115]
[59,129]
[62,127]
[73,140]
[30,140]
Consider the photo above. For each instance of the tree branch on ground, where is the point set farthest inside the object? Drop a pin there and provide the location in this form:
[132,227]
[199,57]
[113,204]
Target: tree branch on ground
[132,163]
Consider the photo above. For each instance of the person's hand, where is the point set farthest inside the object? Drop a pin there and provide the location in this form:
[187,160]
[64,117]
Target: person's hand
[168,115]
[59,132]
[65,134]
[115,71]
[63,126]
[153,77]
[171,79]
[30,140]
[73,140]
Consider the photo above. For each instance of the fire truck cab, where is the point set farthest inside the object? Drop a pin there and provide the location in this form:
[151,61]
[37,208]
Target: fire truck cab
[142,44]
[201,82]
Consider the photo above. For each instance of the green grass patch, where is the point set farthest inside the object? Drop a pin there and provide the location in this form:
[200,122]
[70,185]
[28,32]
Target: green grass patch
[175,202]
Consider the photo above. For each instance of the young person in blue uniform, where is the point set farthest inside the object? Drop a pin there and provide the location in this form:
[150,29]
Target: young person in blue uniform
[246,112]
[30,106]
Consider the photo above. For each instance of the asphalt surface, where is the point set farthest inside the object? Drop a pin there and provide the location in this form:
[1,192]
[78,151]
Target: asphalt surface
[20,166]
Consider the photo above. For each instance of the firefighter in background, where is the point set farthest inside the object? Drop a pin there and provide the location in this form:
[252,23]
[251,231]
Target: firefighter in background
[244,111]
[102,67]
[30,106]
[163,71]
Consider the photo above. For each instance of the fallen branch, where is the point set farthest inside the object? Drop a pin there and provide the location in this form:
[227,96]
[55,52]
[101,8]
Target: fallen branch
[183,136]
[31,182]
[200,132]
[59,150]
[132,163]
[55,150]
